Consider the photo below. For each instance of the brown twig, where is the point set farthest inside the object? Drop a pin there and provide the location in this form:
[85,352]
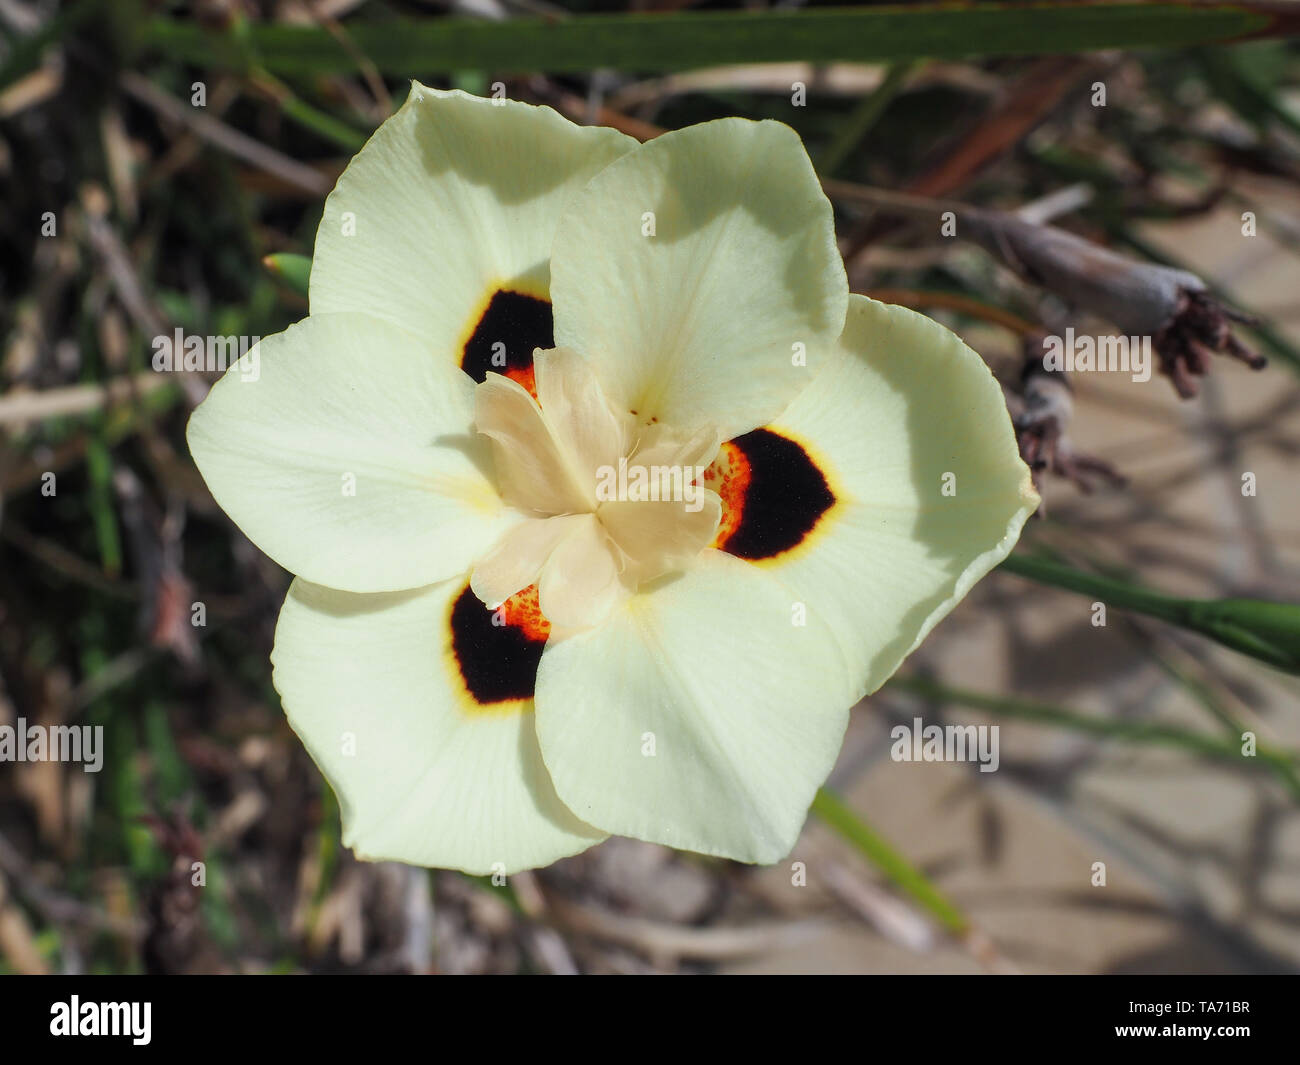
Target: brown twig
[955,301]
[1026,103]
[669,942]
[24,407]
[223,137]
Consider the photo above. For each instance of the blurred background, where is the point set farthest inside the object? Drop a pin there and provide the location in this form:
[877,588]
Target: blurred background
[154,155]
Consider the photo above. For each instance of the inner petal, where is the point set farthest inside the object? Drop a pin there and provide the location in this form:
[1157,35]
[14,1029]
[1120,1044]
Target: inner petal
[611,503]
[581,418]
[519,557]
[658,538]
[580,584]
[663,445]
[534,472]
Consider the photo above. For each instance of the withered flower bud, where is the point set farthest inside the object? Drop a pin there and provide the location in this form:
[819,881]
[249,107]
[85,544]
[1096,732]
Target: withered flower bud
[1041,414]
[1173,307]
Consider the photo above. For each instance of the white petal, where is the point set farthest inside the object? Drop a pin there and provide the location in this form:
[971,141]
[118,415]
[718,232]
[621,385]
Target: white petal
[719,317]
[453,198]
[350,459]
[701,715]
[532,470]
[519,556]
[906,406]
[369,685]
[580,416]
[662,445]
[663,536]
[580,582]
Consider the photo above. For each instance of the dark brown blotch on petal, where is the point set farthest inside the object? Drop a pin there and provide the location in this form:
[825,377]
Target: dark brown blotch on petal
[511,326]
[497,651]
[773,493]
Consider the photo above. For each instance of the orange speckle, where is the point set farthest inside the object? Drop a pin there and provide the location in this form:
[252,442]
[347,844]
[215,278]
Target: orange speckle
[524,612]
[731,469]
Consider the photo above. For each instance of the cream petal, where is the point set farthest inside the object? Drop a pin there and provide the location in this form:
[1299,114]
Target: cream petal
[452,199]
[533,472]
[699,275]
[582,421]
[659,537]
[663,445]
[519,557]
[349,457]
[368,685]
[701,715]
[911,431]
[580,584]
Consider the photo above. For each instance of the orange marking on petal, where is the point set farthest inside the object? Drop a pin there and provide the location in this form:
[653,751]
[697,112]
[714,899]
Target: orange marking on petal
[495,652]
[773,494]
[523,611]
[729,476]
[526,376]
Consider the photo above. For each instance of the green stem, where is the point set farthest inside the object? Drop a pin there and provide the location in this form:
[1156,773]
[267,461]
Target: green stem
[1264,630]
[1106,589]
[864,118]
[1144,732]
[1283,768]
[838,816]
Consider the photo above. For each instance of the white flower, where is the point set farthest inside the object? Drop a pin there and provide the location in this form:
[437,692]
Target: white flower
[493,662]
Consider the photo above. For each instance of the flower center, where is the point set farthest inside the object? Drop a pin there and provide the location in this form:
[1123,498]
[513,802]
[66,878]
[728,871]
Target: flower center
[608,501]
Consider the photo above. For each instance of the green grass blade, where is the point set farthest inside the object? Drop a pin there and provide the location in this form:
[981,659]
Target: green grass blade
[423,47]
[863,119]
[99,467]
[881,853]
[321,123]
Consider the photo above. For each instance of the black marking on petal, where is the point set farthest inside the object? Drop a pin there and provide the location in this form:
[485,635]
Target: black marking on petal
[518,322]
[785,497]
[497,662]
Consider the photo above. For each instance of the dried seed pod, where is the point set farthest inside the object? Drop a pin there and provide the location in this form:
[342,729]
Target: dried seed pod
[1042,418]
[1186,322]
